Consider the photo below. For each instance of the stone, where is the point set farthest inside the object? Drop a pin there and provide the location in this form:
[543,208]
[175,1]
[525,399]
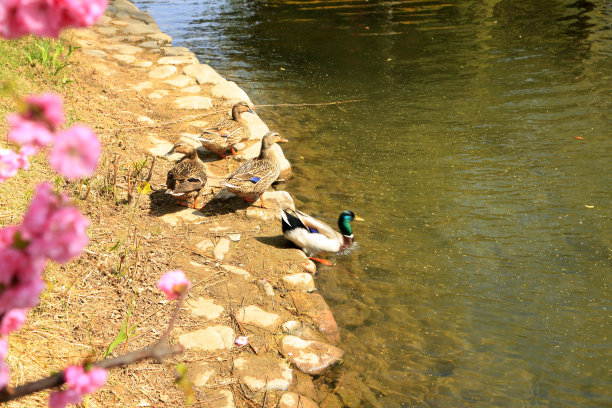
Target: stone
[149,44]
[124,5]
[142,16]
[256,126]
[124,49]
[263,373]
[95,53]
[263,214]
[162,72]
[184,216]
[285,166]
[229,92]
[302,282]
[127,59]
[191,89]
[143,64]
[86,43]
[219,399]
[128,38]
[179,60]
[199,123]
[237,271]
[203,74]
[107,30]
[160,147]
[267,287]
[180,81]
[293,400]
[234,237]
[215,338]
[293,327]
[176,51]
[258,317]
[141,86]
[201,375]
[139,29]
[159,94]
[222,248]
[205,245]
[280,199]
[193,102]
[205,308]
[314,306]
[103,69]
[309,266]
[145,119]
[161,38]
[310,357]
[104,20]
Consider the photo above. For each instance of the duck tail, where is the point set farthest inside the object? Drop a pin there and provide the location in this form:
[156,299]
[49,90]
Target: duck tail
[291,222]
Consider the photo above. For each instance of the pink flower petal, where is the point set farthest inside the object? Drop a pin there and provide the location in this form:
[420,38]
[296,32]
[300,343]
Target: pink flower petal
[9,164]
[13,320]
[173,283]
[75,152]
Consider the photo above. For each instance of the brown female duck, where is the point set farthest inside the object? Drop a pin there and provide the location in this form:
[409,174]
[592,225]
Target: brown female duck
[187,177]
[224,134]
[253,178]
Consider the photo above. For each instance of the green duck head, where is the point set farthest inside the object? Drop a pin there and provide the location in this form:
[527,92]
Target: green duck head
[344,222]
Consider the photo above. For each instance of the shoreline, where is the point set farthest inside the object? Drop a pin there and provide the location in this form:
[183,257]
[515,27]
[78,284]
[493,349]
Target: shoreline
[269,297]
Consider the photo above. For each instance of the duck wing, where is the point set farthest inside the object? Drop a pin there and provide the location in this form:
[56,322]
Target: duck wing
[311,223]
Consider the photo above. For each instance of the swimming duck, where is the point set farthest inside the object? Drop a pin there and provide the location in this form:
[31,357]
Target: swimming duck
[187,177]
[253,178]
[313,236]
[224,134]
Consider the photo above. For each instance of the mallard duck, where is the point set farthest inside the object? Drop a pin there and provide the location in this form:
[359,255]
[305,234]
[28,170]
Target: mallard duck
[224,134]
[252,178]
[187,177]
[313,236]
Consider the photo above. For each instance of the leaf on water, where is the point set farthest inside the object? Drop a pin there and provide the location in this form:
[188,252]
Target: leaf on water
[589,206]
[579,137]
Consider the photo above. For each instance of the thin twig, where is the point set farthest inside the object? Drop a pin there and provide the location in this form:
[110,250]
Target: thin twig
[333,392]
[312,104]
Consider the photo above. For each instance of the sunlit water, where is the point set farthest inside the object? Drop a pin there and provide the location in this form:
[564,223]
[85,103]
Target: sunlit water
[480,157]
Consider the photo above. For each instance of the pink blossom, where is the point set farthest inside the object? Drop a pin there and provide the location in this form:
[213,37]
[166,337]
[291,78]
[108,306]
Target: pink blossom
[54,228]
[81,13]
[9,164]
[12,320]
[84,382]
[4,374]
[75,152]
[28,133]
[21,295]
[242,341]
[173,283]
[62,398]
[47,107]
[24,154]
[3,348]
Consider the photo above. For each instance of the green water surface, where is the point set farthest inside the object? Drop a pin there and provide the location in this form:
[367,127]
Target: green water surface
[480,156]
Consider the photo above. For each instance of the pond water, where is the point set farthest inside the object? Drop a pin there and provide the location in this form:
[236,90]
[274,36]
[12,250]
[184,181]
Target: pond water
[479,152]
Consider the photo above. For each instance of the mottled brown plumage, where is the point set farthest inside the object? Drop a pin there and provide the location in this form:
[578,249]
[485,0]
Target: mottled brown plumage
[224,134]
[188,176]
[254,177]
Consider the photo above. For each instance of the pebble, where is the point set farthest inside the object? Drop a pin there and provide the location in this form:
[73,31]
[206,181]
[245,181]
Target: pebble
[145,119]
[124,49]
[213,338]
[301,282]
[140,28]
[103,69]
[180,81]
[162,72]
[293,400]
[206,308]
[159,94]
[314,306]
[258,317]
[203,376]
[292,327]
[267,287]
[193,102]
[107,30]
[141,86]
[263,373]
[309,266]
[95,53]
[161,38]
[237,271]
[124,58]
[203,74]
[143,64]
[205,245]
[149,44]
[230,92]
[222,248]
[310,357]
[234,237]
[184,216]
[176,51]
[179,60]
[191,89]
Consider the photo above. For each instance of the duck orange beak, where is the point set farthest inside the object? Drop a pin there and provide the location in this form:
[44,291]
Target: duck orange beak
[282,140]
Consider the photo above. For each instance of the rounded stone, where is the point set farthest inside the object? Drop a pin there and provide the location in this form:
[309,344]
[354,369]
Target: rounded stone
[229,91]
[193,102]
[293,400]
[162,72]
[203,74]
[128,59]
[301,282]
[213,338]
[178,60]
[310,357]
[258,317]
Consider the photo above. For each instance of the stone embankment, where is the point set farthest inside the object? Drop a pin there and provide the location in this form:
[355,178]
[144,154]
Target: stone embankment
[244,285]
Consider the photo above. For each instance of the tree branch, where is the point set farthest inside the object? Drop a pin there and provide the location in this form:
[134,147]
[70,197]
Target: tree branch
[157,351]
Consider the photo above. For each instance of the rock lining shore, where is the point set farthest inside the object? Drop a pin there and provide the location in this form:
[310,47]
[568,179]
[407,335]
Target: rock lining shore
[292,333]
